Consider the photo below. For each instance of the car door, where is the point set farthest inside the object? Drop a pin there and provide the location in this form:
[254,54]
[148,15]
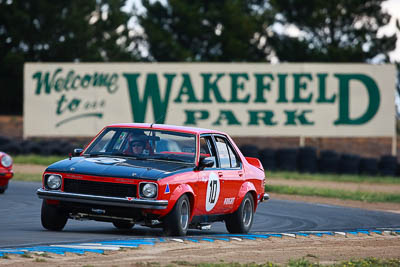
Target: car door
[209,186]
[230,173]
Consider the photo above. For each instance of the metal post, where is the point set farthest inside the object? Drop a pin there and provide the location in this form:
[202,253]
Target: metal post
[302,141]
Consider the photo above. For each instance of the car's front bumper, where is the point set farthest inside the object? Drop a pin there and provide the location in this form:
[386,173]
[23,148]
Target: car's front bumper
[102,200]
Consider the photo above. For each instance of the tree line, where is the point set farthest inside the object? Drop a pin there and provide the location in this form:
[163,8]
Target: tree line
[185,31]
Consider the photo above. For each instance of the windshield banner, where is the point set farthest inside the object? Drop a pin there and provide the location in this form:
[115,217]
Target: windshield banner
[321,100]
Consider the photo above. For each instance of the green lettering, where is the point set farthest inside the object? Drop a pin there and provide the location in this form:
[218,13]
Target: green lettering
[45,81]
[322,89]
[86,81]
[186,89]
[151,91]
[292,117]
[301,86]
[236,86]
[265,115]
[228,116]
[211,86]
[193,115]
[261,86]
[344,99]
[282,88]
[112,85]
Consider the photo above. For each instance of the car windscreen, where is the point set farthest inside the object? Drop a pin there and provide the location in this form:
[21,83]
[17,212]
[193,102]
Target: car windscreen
[144,144]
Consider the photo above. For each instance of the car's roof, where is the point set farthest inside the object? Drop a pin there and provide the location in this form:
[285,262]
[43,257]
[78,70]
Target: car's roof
[166,127]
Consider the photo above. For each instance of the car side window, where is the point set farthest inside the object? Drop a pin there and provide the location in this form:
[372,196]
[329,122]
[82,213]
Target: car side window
[227,157]
[223,153]
[207,150]
[235,162]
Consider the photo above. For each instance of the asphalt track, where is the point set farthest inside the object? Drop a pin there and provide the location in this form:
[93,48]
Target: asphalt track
[20,221]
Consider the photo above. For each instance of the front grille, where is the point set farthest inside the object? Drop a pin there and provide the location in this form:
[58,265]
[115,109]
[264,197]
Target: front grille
[99,188]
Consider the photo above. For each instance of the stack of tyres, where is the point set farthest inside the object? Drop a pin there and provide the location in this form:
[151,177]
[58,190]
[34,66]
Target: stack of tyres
[388,165]
[307,160]
[369,166]
[349,164]
[286,159]
[249,151]
[11,147]
[328,161]
[267,158]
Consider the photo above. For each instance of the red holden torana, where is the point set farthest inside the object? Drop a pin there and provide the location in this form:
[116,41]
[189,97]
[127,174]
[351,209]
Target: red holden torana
[6,172]
[155,175]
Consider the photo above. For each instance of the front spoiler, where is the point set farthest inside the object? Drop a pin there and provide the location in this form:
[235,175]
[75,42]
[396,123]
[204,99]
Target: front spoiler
[103,200]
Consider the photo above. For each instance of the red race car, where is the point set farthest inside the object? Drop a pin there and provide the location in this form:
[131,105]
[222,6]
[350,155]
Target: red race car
[156,175]
[6,172]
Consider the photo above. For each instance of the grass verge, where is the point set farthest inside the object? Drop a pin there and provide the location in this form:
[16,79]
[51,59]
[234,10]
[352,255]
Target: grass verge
[27,177]
[37,159]
[333,177]
[333,193]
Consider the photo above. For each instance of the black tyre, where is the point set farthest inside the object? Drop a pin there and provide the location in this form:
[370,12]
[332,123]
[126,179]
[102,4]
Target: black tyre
[249,151]
[307,160]
[268,159]
[3,188]
[242,219]
[176,223]
[369,166]
[53,218]
[388,165]
[328,161]
[123,225]
[349,164]
[286,159]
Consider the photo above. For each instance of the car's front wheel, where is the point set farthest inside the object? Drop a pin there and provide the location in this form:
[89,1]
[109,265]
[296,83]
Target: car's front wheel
[53,218]
[123,225]
[176,223]
[3,188]
[241,220]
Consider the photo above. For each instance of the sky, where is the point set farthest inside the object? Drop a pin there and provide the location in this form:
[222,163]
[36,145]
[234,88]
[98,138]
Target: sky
[390,6]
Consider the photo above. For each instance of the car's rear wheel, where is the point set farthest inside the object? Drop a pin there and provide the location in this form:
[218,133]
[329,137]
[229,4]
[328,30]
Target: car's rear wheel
[241,220]
[123,225]
[176,223]
[53,218]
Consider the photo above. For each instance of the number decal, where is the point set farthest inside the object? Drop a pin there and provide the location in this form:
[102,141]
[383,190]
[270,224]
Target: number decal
[213,188]
[213,191]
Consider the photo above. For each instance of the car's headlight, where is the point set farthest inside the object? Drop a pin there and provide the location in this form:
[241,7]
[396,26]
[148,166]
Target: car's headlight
[53,181]
[6,161]
[149,190]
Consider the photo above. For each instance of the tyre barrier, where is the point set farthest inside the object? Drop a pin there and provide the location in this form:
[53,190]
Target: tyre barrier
[369,166]
[249,151]
[267,157]
[43,147]
[304,159]
[388,165]
[328,161]
[286,159]
[307,160]
[349,164]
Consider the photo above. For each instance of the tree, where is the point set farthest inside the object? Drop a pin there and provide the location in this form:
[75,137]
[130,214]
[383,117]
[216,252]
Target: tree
[332,31]
[206,30]
[58,31]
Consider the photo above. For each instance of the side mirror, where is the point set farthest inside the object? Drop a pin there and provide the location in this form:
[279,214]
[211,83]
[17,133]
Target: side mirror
[77,152]
[205,163]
